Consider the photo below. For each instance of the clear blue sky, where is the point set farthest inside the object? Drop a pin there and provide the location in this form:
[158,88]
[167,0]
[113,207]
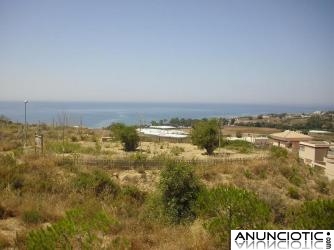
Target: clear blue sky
[259,51]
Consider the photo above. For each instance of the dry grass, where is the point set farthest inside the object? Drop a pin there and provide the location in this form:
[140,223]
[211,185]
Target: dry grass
[40,184]
[233,130]
[269,179]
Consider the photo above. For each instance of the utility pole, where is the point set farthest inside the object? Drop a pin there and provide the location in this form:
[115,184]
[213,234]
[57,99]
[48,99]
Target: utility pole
[219,132]
[25,123]
[80,125]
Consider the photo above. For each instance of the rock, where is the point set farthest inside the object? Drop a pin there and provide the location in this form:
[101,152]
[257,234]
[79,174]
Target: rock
[129,177]
[9,228]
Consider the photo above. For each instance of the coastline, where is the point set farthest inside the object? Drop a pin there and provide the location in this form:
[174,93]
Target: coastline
[101,114]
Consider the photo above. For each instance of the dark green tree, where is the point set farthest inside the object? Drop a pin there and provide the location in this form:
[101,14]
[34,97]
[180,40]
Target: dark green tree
[127,135]
[228,208]
[314,122]
[205,135]
[116,130]
[179,188]
[314,215]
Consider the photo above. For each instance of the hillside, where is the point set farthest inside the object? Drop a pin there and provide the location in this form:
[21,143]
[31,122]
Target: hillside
[107,206]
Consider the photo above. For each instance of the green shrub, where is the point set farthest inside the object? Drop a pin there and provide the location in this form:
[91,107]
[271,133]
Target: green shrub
[314,215]
[7,160]
[74,138]
[76,230]
[261,170]
[241,146]
[88,150]
[98,182]
[120,243]
[10,173]
[179,188]
[278,153]
[248,174]
[17,182]
[323,186]
[154,211]
[292,174]
[205,135]
[293,193]
[127,135]
[228,208]
[133,194]
[67,147]
[176,150]
[84,137]
[32,217]
[139,158]
[98,146]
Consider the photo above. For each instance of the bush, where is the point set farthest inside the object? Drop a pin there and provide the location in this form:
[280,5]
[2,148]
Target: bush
[323,186]
[292,174]
[180,188]
[139,159]
[314,215]
[127,135]
[133,194]
[241,146]
[74,138]
[228,208]
[32,217]
[10,173]
[176,150]
[278,153]
[293,193]
[17,182]
[205,135]
[98,182]
[248,174]
[154,209]
[7,160]
[67,147]
[76,230]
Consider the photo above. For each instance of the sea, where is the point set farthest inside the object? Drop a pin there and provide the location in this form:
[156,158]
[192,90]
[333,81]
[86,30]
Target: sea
[102,114]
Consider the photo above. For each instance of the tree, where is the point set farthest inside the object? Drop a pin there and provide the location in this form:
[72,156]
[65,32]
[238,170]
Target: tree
[228,208]
[116,129]
[314,122]
[127,135]
[180,188]
[205,135]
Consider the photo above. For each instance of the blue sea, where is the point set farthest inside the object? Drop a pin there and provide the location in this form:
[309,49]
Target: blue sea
[101,114]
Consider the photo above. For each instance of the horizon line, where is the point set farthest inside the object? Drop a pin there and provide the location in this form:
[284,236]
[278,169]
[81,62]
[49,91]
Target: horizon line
[175,102]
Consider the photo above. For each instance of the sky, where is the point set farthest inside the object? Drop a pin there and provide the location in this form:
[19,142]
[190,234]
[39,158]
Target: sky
[240,51]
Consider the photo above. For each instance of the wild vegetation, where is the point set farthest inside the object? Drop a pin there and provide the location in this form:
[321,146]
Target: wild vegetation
[322,121]
[127,135]
[50,201]
[205,135]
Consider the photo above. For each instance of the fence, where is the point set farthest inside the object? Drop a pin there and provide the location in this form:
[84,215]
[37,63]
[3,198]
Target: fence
[148,163]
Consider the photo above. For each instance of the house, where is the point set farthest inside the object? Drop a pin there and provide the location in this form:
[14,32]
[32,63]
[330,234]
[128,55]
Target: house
[329,163]
[318,153]
[313,152]
[289,139]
